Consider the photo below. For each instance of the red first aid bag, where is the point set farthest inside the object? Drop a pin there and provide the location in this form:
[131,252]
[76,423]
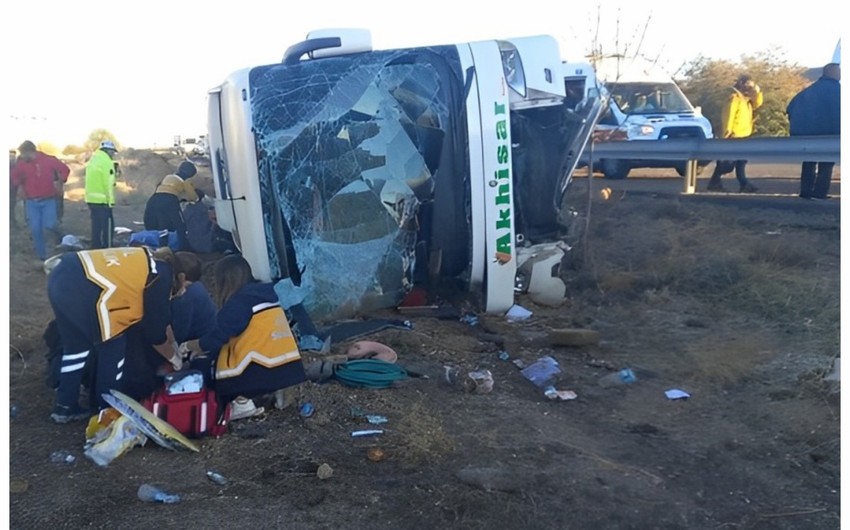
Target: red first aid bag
[195,414]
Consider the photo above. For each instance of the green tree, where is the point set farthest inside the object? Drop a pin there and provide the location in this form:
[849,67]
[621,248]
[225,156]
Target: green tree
[708,82]
[97,136]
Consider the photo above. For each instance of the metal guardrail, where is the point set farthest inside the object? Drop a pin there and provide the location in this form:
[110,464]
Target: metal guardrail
[754,149]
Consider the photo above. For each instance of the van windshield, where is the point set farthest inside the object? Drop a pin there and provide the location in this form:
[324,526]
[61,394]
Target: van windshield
[649,98]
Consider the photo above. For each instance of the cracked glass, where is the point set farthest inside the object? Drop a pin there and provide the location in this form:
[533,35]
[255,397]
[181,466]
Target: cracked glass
[348,150]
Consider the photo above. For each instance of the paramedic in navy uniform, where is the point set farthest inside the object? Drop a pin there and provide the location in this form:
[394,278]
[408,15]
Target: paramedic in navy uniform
[96,296]
[251,351]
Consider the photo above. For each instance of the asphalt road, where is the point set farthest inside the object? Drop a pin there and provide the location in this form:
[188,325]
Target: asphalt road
[778,186]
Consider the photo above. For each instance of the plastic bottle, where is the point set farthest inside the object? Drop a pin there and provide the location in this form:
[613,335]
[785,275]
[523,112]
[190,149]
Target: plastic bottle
[216,477]
[150,493]
[624,377]
[306,410]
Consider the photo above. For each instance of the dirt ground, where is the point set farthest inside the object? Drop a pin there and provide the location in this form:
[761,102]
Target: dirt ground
[738,307]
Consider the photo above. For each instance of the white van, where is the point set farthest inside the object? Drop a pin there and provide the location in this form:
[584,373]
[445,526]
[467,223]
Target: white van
[644,104]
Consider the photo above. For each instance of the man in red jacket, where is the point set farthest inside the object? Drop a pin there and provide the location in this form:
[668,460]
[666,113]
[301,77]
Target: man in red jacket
[36,174]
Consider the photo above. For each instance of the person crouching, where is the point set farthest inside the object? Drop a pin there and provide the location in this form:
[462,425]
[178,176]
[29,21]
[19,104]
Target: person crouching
[97,296]
[252,351]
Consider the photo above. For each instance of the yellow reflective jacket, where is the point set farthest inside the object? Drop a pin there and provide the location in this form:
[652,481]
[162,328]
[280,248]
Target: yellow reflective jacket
[122,275]
[100,179]
[737,118]
[175,185]
[267,341]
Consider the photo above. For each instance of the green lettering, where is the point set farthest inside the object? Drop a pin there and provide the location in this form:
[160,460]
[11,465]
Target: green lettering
[504,219]
[504,196]
[502,129]
[502,154]
[503,173]
[500,108]
[503,244]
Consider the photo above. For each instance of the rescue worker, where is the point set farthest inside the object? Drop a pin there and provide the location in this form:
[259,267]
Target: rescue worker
[251,351]
[100,193]
[97,296]
[163,212]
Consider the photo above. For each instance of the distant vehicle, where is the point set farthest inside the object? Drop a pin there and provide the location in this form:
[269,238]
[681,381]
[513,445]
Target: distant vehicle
[644,103]
[191,146]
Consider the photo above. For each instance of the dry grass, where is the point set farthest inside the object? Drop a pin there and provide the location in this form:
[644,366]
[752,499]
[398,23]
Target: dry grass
[422,437]
[758,279]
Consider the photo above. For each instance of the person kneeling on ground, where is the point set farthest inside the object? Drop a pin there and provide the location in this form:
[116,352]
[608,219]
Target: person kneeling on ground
[98,296]
[252,351]
[192,316]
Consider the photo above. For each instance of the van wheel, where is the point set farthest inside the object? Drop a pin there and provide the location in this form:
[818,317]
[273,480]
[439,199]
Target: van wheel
[615,169]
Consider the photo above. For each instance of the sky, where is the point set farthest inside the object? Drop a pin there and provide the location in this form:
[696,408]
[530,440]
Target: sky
[142,70]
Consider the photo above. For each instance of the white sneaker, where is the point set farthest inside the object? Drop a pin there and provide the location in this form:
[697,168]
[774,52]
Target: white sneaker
[241,408]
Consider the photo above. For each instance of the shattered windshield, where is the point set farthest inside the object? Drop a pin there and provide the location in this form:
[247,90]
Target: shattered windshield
[649,98]
[348,148]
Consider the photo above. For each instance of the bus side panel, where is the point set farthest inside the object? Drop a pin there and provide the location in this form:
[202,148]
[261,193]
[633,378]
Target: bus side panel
[476,182]
[223,210]
[496,177]
[234,159]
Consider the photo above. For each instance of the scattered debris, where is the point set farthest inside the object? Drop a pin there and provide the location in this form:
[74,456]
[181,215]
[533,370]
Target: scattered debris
[483,381]
[324,472]
[62,457]
[150,493]
[675,393]
[563,395]
[600,363]
[518,313]
[114,440]
[375,454]
[504,356]
[367,432]
[375,419]
[542,371]
[217,478]
[306,410]
[476,382]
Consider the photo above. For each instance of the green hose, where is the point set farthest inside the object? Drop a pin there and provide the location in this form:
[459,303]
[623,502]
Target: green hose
[369,373]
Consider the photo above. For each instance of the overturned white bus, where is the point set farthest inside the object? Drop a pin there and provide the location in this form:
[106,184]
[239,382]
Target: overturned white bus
[358,174]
